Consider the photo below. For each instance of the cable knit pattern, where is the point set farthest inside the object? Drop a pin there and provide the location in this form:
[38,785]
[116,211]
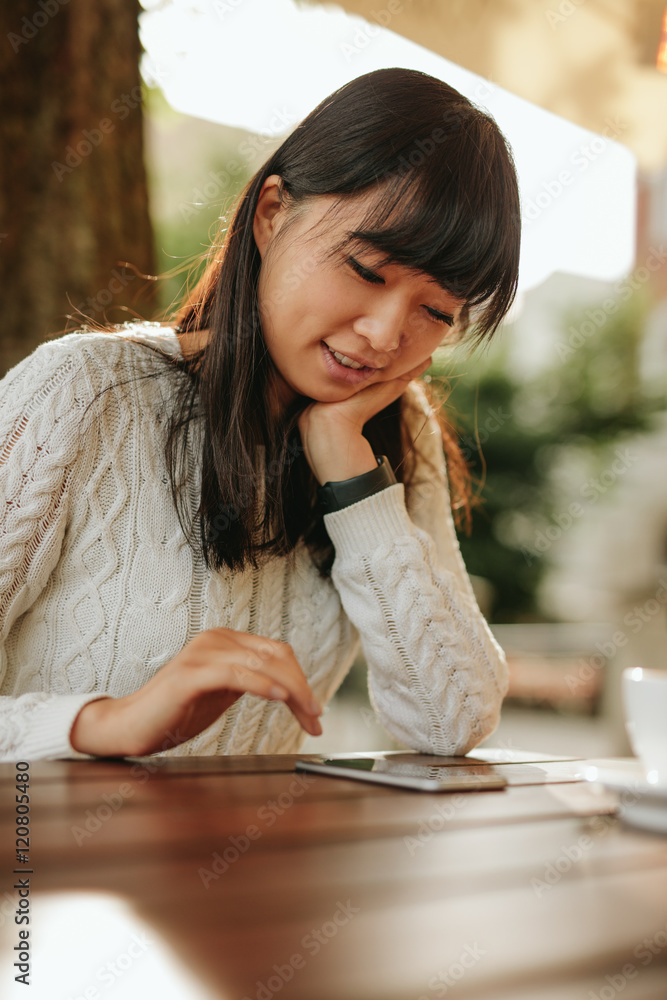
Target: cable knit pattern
[99,589]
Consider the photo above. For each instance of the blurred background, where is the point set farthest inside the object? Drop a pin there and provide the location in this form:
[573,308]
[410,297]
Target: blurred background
[127,132]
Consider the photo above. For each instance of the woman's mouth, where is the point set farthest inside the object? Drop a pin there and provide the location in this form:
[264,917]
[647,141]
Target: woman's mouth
[343,372]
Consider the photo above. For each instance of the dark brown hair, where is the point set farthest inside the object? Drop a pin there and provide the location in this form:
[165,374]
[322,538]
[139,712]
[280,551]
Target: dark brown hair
[447,206]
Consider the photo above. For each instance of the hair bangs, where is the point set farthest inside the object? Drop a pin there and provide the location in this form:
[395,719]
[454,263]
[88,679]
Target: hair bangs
[451,226]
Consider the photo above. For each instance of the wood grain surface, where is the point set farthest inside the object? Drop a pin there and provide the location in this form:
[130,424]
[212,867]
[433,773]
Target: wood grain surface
[266,883]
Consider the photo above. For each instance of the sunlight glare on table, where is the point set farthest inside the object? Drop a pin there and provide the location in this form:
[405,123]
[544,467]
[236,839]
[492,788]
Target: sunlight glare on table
[91,946]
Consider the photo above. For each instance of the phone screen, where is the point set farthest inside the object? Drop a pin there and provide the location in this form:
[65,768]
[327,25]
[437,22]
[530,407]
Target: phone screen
[407,774]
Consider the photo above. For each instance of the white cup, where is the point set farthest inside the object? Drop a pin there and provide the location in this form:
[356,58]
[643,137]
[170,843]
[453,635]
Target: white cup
[645,701]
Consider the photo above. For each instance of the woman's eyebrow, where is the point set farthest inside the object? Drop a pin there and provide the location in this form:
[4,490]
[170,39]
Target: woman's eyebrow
[443,288]
[358,243]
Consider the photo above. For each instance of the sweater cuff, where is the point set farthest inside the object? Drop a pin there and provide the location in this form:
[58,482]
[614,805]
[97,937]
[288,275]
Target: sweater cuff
[51,723]
[370,522]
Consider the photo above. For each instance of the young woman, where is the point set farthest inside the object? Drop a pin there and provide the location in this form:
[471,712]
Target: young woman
[202,521]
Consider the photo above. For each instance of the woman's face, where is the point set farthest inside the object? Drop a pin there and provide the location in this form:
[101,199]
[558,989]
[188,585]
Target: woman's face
[388,318]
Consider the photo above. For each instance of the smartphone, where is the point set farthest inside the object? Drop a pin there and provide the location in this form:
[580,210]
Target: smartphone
[404,774]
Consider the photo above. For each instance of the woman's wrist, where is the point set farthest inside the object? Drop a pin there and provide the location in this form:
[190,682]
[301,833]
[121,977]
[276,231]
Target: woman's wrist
[336,495]
[87,732]
[334,450]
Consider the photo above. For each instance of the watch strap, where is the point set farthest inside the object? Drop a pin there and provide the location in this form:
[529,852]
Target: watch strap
[336,495]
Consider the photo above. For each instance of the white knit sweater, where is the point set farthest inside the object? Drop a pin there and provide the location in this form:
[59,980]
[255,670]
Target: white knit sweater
[99,588]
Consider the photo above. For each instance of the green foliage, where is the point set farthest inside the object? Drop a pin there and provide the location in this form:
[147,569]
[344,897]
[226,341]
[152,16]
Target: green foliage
[183,240]
[540,442]
[195,172]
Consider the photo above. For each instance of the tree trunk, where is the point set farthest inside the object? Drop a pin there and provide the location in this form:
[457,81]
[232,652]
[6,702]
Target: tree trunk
[73,192]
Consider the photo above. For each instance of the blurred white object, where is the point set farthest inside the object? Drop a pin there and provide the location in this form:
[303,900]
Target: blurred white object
[645,701]
[263,65]
[93,945]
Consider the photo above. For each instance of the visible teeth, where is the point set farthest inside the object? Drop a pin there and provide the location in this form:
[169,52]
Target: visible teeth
[344,360]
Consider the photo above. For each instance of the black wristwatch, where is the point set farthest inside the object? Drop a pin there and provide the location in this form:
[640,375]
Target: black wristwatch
[335,496]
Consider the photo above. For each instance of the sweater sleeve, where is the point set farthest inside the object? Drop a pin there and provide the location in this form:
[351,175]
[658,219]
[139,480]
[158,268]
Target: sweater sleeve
[436,675]
[40,436]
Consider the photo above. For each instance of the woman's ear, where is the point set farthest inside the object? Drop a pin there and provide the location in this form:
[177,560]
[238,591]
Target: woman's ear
[268,213]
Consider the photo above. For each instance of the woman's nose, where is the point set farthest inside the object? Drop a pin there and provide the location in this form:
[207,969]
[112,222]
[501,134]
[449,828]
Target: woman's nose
[385,331]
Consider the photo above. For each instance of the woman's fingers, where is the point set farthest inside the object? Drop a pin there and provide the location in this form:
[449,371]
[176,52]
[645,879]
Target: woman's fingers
[307,721]
[191,691]
[276,659]
[246,680]
[264,667]
[380,394]
[394,387]
[213,677]
[349,416]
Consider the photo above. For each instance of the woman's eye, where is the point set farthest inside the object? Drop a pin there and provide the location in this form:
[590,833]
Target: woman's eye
[376,279]
[439,317]
[363,272]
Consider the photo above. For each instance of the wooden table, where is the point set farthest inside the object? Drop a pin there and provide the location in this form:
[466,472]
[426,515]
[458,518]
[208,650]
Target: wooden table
[256,882]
